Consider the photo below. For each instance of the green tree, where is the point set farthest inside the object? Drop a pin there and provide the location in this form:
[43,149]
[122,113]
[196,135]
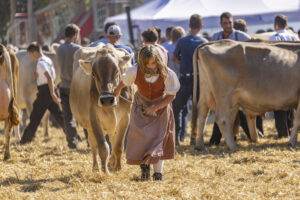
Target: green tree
[4,16]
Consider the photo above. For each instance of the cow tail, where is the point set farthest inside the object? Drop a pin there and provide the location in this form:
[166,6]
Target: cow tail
[14,118]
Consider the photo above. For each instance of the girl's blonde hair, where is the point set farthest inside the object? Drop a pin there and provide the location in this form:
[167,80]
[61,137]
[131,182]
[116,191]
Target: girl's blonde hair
[147,52]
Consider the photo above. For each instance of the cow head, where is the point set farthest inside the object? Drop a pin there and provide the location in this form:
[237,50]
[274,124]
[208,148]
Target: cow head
[106,68]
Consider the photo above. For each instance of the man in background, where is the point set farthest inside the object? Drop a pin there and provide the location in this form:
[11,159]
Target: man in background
[65,53]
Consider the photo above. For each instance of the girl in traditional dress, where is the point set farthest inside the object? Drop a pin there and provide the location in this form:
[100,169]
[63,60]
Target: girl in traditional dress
[151,134]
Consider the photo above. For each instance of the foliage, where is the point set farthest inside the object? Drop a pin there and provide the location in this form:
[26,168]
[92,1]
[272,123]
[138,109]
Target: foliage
[4,16]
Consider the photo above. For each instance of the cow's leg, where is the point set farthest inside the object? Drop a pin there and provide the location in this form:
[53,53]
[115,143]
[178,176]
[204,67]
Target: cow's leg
[202,115]
[296,127]
[45,123]
[7,132]
[118,142]
[194,124]
[94,148]
[103,147]
[225,120]
[251,121]
[236,125]
[16,131]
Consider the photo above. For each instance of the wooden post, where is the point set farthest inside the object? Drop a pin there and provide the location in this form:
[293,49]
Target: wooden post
[31,22]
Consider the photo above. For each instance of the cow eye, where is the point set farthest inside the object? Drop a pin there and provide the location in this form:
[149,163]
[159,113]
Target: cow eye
[94,75]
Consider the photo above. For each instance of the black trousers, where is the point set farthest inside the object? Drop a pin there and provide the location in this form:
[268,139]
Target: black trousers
[283,122]
[179,105]
[216,136]
[70,124]
[42,103]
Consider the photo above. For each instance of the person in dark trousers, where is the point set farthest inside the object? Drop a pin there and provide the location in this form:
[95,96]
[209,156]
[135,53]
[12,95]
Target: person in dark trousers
[183,55]
[46,97]
[65,53]
[283,119]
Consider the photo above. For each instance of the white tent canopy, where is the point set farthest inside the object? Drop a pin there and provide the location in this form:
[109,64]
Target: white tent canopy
[164,13]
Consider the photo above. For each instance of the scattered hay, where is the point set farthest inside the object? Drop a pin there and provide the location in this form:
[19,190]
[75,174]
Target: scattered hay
[47,169]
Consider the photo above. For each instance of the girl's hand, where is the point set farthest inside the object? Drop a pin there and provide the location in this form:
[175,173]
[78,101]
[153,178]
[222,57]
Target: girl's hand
[150,110]
[35,76]
[56,99]
[117,93]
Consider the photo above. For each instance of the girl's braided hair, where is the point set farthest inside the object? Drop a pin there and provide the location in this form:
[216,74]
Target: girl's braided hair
[147,52]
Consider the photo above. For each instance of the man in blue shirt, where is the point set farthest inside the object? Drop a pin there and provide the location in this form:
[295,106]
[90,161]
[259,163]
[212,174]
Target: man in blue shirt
[114,35]
[183,54]
[168,44]
[226,21]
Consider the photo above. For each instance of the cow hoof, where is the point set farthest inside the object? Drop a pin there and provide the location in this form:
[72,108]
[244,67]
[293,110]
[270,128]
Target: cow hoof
[95,169]
[292,144]
[6,156]
[193,141]
[199,148]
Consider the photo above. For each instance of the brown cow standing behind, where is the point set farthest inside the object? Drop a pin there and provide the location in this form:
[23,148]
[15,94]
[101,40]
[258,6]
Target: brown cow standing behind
[93,104]
[256,76]
[9,72]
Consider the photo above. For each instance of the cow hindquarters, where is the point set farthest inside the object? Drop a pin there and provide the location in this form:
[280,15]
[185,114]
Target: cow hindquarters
[294,134]
[5,99]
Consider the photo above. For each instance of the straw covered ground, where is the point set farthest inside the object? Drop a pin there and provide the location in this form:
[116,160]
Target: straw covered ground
[47,169]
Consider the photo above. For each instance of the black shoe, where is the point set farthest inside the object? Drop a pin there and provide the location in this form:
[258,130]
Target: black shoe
[177,143]
[157,176]
[193,141]
[145,172]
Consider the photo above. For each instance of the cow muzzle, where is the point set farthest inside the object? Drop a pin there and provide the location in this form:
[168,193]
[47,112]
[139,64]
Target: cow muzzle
[107,100]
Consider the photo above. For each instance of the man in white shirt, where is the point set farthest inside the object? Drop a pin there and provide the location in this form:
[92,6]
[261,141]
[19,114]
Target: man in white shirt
[283,119]
[46,96]
[280,24]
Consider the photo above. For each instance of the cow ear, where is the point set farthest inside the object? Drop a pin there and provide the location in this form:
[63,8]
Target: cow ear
[86,65]
[125,59]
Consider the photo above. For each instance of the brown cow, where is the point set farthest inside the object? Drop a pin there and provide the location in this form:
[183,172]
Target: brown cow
[256,76]
[93,104]
[9,71]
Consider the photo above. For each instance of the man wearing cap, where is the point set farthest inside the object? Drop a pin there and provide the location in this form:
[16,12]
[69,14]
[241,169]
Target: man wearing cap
[104,38]
[114,35]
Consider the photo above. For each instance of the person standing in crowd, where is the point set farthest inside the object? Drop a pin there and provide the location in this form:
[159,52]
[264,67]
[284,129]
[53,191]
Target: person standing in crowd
[240,25]
[229,32]
[85,42]
[151,132]
[46,98]
[283,119]
[114,35]
[150,36]
[226,21]
[177,33]
[183,54]
[169,46]
[158,30]
[103,39]
[65,53]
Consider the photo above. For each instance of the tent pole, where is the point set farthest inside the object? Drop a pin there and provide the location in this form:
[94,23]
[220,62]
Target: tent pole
[127,8]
